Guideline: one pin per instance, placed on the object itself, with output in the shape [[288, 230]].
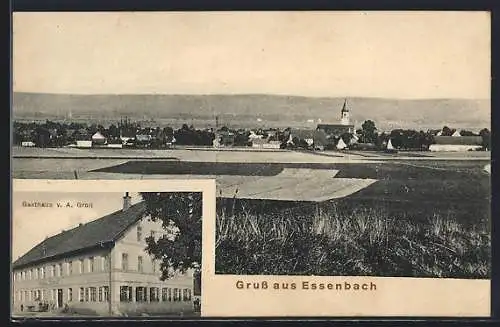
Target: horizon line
[[252, 94]]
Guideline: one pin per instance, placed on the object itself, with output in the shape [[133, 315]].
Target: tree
[[486, 136], [368, 132], [181, 216], [447, 131]]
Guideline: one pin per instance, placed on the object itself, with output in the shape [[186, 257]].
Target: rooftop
[[100, 232]]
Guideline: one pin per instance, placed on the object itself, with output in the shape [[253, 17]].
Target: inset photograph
[[106, 254]]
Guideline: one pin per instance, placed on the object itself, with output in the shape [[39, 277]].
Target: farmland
[[423, 216]]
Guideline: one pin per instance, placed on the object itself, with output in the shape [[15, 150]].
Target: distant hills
[[253, 110]]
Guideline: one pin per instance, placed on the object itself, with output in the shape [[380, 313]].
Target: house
[[83, 144], [101, 268], [311, 137], [143, 140], [258, 142], [225, 138], [28, 144], [82, 135], [272, 145], [456, 144], [98, 139], [341, 144]]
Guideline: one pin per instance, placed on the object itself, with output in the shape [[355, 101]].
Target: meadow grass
[[360, 242]]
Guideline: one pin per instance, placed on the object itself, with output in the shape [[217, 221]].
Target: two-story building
[[101, 268]]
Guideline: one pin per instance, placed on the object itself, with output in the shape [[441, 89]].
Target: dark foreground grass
[[364, 242]]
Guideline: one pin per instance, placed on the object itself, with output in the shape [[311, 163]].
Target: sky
[[348, 54], [31, 226]]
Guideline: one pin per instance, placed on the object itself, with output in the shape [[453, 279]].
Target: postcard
[[349, 151]]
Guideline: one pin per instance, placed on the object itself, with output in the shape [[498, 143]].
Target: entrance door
[[59, 298]]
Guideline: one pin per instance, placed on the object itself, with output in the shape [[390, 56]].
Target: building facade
[[101, 268], [336, 130]]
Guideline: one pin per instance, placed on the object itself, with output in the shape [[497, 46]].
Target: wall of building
[[33, 288], [453, 148], [147, 275], [91, 282]]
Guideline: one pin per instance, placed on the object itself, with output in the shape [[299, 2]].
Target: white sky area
[[368, 54], [32, 225]]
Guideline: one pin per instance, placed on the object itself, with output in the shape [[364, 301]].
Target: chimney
[[126, 201]]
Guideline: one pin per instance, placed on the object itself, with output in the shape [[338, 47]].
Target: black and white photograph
[[352, 143], [106, 254]]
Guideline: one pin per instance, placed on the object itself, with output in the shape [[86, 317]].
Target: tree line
[[57, 134]]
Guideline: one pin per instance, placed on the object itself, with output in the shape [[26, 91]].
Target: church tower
[[344, 114]]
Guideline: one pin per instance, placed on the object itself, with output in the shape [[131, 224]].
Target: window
[[53, 271], [81, 295], [104, 263], [106, 293], [70, 295], [91, 264], [139, 264], [154, 293], [139, 233], [125, 294], [169, 294], [42, 272], [44, 294], [60, 270], [70, 268], [164, 294], [81, 266], [87, 294], [30, 273], [185, 294], [124, 261], [93, 294], [141, 294], [176, 294]]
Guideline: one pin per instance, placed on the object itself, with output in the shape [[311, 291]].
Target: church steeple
[[344, 114]]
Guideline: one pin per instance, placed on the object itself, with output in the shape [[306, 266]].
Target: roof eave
[[102, 245]]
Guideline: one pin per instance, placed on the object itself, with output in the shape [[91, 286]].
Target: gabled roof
[[100, 232], [98, 135]]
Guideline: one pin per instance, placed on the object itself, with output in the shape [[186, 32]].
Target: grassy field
[[360, 242], [420, 219]]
